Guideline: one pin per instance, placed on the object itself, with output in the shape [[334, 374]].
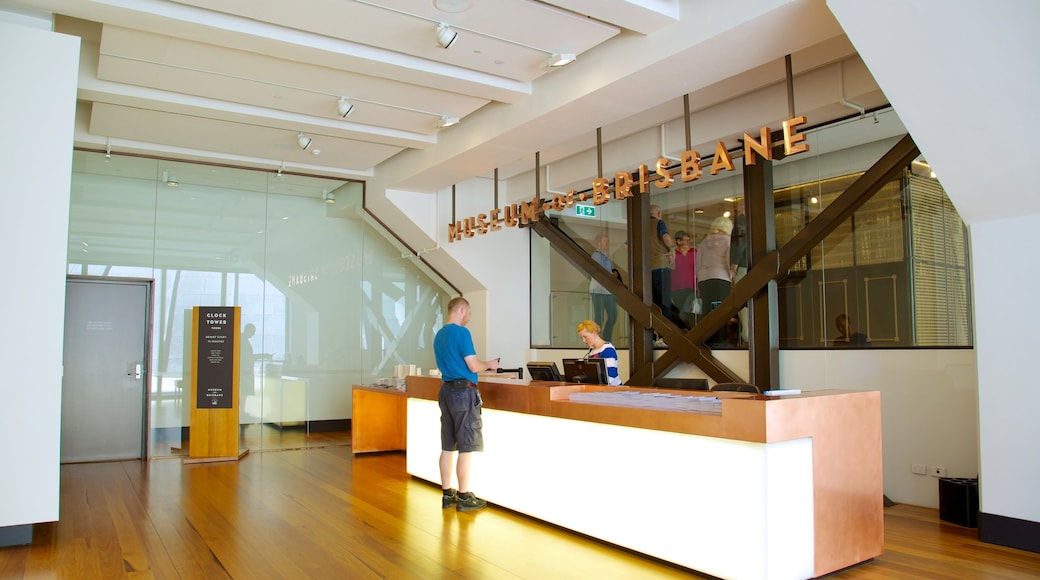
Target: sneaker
[[470, 503], [449, 498]]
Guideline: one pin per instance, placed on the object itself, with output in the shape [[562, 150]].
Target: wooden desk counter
[[840, 468], [379, 421]]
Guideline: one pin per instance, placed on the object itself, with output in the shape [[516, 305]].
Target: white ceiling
[[235, 81]]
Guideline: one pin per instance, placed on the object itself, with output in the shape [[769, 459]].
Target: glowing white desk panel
[[740, 482], [732, 509]]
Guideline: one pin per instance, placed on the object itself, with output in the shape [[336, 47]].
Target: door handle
[[136, 373]]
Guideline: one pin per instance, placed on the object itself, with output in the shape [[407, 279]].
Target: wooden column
[[763, 311]]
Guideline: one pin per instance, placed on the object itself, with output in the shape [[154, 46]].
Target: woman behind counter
[[714, 271], [599, 348]]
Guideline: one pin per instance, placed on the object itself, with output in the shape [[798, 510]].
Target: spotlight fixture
[[329, 197], [108, 149], [344, 107], [169, 179], [304, 141], [447, 122], [445, 35], [559, 59], [279, 175]]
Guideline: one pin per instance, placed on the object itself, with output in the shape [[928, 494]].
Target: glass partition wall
[[328, 297], [895, 274]]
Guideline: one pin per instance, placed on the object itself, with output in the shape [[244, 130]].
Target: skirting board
[[16, 535], [1010, 532]]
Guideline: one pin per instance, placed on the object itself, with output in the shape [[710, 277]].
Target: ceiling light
[[304, 141], [445, 35], [169, 179], [344, 107], [559, 59], [329, 197], [447, 122], [452, 6]]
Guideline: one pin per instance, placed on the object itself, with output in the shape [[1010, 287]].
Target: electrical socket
[[937, 471], [918, 469]]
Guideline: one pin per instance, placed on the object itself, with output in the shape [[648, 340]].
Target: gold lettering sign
[[600, 193]]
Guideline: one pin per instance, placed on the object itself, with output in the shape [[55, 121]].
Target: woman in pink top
[[684, 278]]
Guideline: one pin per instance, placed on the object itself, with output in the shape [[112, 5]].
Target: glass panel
[[334, 300], [939, 264], [572, 295], [867, 282]]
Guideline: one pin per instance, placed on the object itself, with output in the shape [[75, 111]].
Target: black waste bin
[[959, 501]]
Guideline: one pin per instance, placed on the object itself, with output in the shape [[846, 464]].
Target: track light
[[169, 179], [559, 59], [329, 197], [344, 107], [304, 141], [447, 122], [445, 35]]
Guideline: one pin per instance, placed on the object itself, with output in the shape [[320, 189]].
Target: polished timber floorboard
[[320, 512]]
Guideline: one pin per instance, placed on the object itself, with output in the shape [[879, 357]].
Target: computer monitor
[[580, 370], [544, 371]]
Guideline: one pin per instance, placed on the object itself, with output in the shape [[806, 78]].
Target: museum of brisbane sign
[[603, 190]]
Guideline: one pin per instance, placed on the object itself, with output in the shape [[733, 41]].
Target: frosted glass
[[334, 298]]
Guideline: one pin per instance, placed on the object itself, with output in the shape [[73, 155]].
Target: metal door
[[105, 379]]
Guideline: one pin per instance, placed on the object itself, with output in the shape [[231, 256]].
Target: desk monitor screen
[[579, 370], [544, 371]]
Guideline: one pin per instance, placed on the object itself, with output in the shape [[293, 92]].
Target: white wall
[[929, 408], [1006, 285], [498, 277], [952, 124], [39, 69]]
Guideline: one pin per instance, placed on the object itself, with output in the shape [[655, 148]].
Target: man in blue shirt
[[460, 404]]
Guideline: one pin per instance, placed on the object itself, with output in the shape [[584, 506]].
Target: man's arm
[[662, 230], [478, 366], [668, 241]]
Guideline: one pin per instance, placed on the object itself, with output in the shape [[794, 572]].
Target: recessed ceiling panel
[[508, 38], [240, 139], [182, 66]]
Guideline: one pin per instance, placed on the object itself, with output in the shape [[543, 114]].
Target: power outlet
[[937, 471], [918, 469]]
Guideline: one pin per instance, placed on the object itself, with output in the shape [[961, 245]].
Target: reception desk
[[767, 487]]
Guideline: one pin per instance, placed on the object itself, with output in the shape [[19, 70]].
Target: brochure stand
[[214, 385]]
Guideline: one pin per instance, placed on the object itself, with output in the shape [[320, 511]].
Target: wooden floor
[[320, 512]]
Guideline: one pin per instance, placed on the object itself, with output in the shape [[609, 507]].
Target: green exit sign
[[585, 210]]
